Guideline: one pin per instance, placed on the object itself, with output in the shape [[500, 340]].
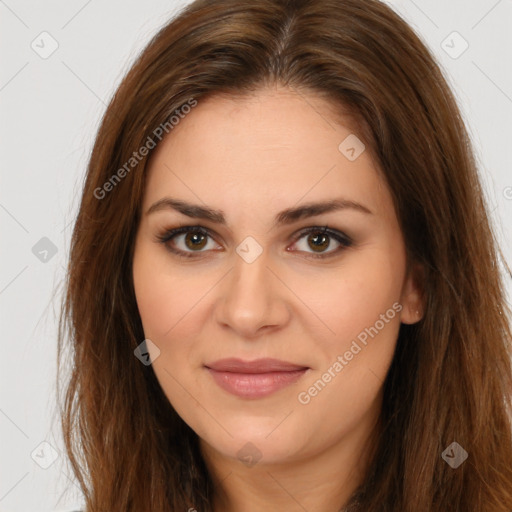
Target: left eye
[[195, 239], [321, 238]]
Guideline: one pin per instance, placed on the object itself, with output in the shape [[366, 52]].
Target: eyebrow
[[287, 216]]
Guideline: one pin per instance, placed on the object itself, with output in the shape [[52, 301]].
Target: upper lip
[[265, 365]]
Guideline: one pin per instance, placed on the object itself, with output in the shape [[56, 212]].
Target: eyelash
[[340, 237]]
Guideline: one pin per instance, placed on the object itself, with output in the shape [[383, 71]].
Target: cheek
[[352, 297], [172, 316], [165, 299], [365, 317]]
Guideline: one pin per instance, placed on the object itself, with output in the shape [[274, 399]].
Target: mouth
[[254, 379]]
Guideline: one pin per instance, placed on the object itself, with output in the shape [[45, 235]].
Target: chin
[[261, 443]]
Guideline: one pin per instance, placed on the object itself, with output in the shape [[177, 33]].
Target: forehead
[[274, 146]]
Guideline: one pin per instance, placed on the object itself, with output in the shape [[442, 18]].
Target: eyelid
[[343, 239], [335, 233]]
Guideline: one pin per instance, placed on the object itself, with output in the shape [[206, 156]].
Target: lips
[[257, 366], [254, 379]]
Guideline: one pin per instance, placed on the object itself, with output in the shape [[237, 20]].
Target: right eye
[[192, 238]]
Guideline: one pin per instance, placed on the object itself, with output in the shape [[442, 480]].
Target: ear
[[412, 298]]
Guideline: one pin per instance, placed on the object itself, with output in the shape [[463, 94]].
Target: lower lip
[[255, 385]]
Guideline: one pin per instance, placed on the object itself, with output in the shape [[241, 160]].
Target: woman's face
[[256, 284]]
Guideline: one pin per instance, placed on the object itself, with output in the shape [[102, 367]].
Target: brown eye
[[189, 241], [186, 240], [195, 240], [318, 240]]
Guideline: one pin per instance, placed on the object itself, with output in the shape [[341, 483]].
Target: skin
[[251, 158]]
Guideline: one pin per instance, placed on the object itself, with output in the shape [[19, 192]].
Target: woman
[[283, 289]]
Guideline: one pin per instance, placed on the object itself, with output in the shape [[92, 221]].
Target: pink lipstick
[[254, 379]]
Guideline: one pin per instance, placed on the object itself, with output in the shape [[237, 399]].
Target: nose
[[252, 298]]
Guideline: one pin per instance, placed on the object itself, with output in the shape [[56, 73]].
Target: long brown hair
[[451, 377]]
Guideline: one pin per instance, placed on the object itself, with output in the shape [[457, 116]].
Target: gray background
[[50, 111]]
